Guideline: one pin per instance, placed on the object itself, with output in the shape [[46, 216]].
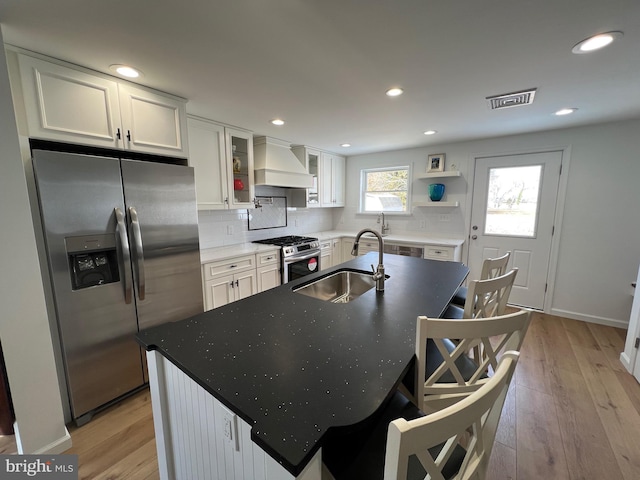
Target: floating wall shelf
[[436, 204], [450, 173]]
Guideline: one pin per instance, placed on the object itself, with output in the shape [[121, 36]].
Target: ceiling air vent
[[515, 99]]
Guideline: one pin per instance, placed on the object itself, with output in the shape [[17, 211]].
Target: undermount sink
[[342, 286]]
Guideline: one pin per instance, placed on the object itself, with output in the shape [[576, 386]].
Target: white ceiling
[[324, 65]]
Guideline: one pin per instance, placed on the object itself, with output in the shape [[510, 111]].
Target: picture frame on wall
[[435, 163]]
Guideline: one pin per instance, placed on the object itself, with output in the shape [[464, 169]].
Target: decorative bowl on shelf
[[238, 184], [436, 191]]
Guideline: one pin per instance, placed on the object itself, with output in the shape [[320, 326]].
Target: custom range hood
[[276, 165]]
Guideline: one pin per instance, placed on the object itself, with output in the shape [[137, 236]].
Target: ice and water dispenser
[[92, 260]]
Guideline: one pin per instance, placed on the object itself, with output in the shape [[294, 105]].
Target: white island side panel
[[190, 434]]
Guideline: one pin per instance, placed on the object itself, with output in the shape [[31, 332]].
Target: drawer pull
[[233, 266], [269, 258]]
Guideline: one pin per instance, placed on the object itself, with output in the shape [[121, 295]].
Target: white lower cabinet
[[331, 253], [326, 255], [229, 288], [336, 251], [441, 252], [228, 280], [347, 246], [445, 253], [234, 278], [268, 270]]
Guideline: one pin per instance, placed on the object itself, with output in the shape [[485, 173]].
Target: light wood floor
[[573, 412]]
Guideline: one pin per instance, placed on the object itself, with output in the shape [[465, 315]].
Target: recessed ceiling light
[[430, 132], [596, 42], [126, 71], [277, 121], [345, 145], [565, 111], [394, 92]]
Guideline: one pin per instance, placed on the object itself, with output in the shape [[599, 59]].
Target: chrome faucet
[[385, 226], [378, 273]]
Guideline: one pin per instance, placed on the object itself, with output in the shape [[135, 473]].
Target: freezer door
[[163, 234], [80, 197]]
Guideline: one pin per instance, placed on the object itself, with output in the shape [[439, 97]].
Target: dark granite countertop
[[293, 366]]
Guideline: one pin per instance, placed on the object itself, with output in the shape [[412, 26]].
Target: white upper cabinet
[[239, 158], [151, 122], [311, 159], [223, 161], [69, 105], [332, 180], [207, 157]]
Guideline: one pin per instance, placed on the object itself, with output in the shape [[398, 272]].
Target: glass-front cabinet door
[[310, 158], [239, 155]]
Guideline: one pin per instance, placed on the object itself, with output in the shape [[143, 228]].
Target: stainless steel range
[[299, 256]]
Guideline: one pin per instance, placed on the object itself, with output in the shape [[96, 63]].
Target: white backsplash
[[219, 228], [447, 222]]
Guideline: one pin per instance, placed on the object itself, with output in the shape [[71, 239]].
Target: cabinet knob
[[129, 135]]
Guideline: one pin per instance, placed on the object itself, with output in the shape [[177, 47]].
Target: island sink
[[342, 286]]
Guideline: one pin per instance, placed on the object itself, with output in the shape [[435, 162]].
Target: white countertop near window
[[393, 237]]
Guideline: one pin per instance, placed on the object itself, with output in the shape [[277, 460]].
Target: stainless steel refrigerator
[[122, 246]]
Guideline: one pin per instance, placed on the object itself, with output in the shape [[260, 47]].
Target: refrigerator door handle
[[138, 264], [121, 231]]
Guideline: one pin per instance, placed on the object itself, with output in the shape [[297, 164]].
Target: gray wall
[[599, 248], [24, 327]]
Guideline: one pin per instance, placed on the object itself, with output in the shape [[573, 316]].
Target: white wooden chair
[[453, 444], [491, 268], [445, 371], [485, 298], [478, 413]]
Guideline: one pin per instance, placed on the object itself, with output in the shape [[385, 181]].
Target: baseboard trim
[[610, 322], [626, 362], [60, 445]]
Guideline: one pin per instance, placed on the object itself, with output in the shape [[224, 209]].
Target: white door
[[513, 209]]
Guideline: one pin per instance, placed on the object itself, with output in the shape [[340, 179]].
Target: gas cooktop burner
[[287, 240]]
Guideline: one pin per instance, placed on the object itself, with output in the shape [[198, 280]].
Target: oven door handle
[[293, 259]]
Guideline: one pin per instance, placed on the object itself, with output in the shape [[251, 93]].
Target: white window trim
[[363, 173]]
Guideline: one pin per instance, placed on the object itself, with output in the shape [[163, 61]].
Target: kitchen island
[[254, 388]]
